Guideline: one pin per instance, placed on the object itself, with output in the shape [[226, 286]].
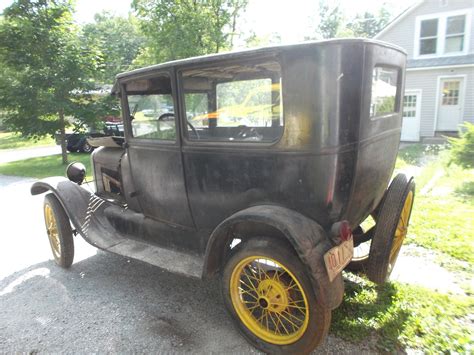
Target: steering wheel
[[168, 116], [193, 129], [248, 134]]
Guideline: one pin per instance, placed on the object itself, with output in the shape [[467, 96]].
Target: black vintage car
[[257, 167]]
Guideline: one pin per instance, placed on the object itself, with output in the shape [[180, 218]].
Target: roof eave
[[397, 19]]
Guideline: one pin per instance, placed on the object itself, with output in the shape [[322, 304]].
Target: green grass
[[400, 317], [442, 217], [42, 167], [10, 140]]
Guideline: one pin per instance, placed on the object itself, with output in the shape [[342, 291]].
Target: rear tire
[[59, 231], [271, 299], [391, 228]]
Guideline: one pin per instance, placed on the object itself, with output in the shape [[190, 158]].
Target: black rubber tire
[[86, 147], [319, 317], [66, 241], [379, 266]]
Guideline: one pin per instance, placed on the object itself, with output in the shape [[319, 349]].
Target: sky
[[289, 18]]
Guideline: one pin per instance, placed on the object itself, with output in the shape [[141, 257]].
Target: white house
[[439, 91]]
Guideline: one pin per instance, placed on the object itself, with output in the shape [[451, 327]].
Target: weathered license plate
[[338, 257]]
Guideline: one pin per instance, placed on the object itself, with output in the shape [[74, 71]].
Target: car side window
[[151, 108], [238, 103]]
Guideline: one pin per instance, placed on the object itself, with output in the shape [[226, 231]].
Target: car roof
[[242, 54]]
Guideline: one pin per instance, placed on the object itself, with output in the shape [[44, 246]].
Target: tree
[[330, 20], [368, 24], [118, 40], [46, 69], [186, 28]]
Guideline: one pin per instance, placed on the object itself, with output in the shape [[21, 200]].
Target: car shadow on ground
[[372, 313]]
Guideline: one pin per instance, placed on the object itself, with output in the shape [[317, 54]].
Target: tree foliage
[[45, 67], [330, 20], [184, 28], [369, 24], [118, 41]]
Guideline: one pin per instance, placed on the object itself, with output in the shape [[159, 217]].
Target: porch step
[[434, 140]]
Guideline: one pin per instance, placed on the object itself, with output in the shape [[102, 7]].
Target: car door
[[154, 151]]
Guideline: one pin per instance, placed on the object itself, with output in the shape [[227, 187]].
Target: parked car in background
[[77, 142]]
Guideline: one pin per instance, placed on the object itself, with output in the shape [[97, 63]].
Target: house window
[[428, 36], [455, 26], [409, 106], [450, 93], [442, 34]]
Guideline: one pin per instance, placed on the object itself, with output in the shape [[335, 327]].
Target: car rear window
[[384, 91]]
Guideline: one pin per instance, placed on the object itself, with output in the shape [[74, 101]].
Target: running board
[[170, 260]]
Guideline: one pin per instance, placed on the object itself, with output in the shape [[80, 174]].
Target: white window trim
[[438, 94], [441, 35]]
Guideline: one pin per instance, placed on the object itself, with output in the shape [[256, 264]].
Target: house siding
[[427, 80], [403, 32]]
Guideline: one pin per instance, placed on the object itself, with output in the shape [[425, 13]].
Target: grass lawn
[[443, 213], [398, 317], [42, 167], [10, 140]]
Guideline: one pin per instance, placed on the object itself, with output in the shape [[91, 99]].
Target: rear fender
[[72, 197], [305, 235]]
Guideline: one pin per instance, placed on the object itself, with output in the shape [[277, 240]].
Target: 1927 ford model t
[[254, 166]]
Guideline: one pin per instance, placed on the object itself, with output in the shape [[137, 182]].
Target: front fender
[[72, 197], [306, 236]]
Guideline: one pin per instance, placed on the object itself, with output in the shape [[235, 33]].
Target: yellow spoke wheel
[[269, 300], [391, 228], [402, 228], [58, 229], [52, 230], [270, 296]]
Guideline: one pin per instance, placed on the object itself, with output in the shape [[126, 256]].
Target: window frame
[[442, 18], [225, 144], [130, 139]]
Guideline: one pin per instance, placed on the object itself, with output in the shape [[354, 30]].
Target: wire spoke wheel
[[59, 231], [269, 300], [391, 228], [402, 229], [52, 230]]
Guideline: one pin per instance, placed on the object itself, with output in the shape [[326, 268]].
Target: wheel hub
[[272, 295]]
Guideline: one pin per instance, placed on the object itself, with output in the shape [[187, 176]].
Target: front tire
[[271, 299], [59, 231]]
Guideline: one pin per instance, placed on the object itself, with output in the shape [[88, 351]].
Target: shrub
[[462, 151]]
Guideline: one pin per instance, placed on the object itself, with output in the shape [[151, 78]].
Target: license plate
[[338, 257]]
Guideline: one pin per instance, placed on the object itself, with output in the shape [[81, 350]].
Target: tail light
[[341, 231]]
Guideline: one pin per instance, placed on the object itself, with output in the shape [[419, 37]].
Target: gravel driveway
[[104, 303]]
